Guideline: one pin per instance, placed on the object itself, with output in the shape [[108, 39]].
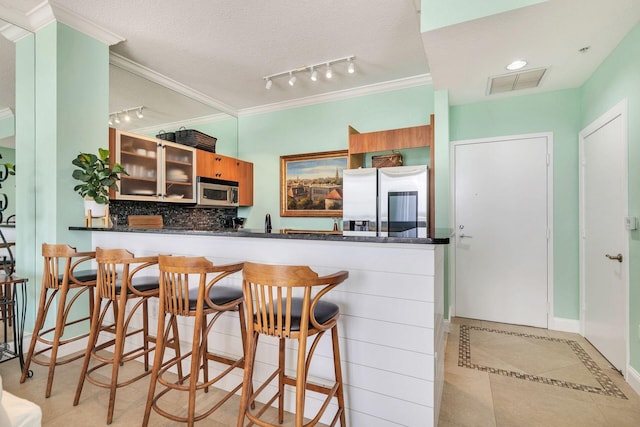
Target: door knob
[[618, 257]]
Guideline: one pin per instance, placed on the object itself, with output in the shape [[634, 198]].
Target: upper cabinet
[[397, 139], [158, 170], [217, 166]]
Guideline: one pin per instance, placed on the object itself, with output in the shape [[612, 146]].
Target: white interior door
[[502, 198], [603, 206]]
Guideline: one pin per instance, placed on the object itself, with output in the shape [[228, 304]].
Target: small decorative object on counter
[[267, 223], [386, 160], [197, 139]]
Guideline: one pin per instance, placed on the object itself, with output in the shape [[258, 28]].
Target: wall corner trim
[[565, 325], [633, 378]]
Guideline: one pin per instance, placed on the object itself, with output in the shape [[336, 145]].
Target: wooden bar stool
[[59, 277], [294, 317], [120, 279], [177, 298]]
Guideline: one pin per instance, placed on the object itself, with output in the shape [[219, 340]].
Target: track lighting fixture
[[351, 68], [114, 117], [313, 70]]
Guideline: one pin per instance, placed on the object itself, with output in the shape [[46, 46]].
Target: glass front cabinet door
[[158, 170]]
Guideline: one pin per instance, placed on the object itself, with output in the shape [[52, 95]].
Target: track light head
[[139, 113], [268, 85], [110, 121], [127, 117], [314, 74], [329, 73], [292, 79], [352, 67], [117, 120]]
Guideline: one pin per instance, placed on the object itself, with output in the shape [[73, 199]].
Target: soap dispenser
[[267, 223]]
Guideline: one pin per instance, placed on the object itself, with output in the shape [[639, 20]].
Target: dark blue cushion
[[220, 295], [83, 276], [141, 284], [324, 311]]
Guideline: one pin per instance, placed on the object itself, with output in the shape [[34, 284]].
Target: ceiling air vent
[[516, 81]]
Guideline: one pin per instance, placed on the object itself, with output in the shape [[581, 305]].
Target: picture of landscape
[[311, 184]]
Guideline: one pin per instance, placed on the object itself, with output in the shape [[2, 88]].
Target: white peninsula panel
[[391, 323]]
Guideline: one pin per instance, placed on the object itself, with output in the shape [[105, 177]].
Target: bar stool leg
[[338, 372], [281, 365], [247, 383], [301, 379], [118, 350], [60, 319], [93, 337], [36, 329], [157, 363]]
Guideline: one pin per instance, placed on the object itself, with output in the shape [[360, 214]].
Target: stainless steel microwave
[[217, 192]]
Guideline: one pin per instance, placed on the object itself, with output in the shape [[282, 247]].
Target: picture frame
[[311, 184]]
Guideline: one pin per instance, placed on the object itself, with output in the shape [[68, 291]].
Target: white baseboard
[[633, 378], [565, 325]]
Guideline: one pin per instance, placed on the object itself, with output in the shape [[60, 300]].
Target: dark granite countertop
[[441, 236]]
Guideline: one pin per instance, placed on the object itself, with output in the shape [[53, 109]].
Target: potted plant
[[97, 178]]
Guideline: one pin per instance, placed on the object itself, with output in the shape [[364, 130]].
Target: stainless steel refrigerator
[[402, 198]]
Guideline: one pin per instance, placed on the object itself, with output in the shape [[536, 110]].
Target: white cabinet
[[158, 170]]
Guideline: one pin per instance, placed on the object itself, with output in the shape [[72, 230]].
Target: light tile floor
[[506, 375], [58, 409]]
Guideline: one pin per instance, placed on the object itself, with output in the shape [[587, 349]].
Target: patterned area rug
[[606, 385]]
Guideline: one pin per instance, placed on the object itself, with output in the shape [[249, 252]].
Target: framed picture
[[311, 184]]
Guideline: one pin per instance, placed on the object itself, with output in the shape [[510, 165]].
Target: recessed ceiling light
[[516, 65]]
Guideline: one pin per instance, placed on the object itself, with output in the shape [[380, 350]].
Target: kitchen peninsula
[[391, 323]]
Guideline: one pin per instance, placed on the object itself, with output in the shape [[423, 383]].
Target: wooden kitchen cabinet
[[245, 183], [158, 170], [217, 166], [397, 139]]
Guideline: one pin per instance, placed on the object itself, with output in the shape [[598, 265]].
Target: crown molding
[[41, 16], [15, 17], [82, 24], [6, 113], [419, 80], [13, 33], [147, 73], [186, 123]]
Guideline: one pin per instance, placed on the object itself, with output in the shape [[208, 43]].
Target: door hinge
[[548, 159], [548, 233]]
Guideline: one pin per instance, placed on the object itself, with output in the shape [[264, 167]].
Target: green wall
[[558, 112], [322, 127], [441, 13], [616, 79]]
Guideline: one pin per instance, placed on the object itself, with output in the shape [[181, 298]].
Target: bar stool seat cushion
[[142, 284], [323, 312], [84, 275], [220, 295]]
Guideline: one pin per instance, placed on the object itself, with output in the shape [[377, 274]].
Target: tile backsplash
[[173, 214]]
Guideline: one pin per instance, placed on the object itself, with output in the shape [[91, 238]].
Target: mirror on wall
[[7, 123], [166, 110]]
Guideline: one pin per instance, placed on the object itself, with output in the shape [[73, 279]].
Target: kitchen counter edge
[[442, 236]]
